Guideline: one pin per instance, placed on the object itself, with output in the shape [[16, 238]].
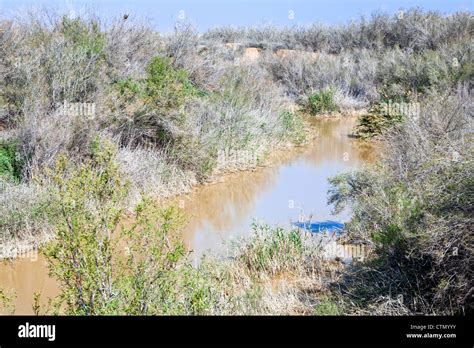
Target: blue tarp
[[322, 226]]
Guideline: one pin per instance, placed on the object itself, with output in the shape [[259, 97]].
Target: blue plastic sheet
[[322, 226]]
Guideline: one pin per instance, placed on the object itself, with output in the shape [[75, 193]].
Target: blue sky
[[211, 13]]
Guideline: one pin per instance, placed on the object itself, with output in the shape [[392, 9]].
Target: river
[[293, 187]]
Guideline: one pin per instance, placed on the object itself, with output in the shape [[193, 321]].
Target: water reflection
[[296, 186]]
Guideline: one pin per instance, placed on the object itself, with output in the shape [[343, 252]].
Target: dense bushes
[[368, 61], [350, 75], [24, 221], [140, 95], [416, 213], [155, 104], [405, 78], [404, 74], [363, 78], [189, 121], [413, 29], [86, 37], [165, 93]]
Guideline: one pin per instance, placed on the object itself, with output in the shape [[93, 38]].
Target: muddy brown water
[[223, 212]]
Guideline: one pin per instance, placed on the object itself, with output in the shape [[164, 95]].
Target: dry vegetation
[[416, 212], [174, 111]]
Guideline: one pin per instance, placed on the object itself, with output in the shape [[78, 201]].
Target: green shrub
[[129, 86], [10, 163], [140, 271], [163, 87], [402, 75], [389, 237], [86, 37], [321, 102], [156, 103], [89, 198], [465, 72], [166, 86]]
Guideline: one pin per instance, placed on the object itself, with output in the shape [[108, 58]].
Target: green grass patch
[[327, 307], [293, 127], [272, 250]]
